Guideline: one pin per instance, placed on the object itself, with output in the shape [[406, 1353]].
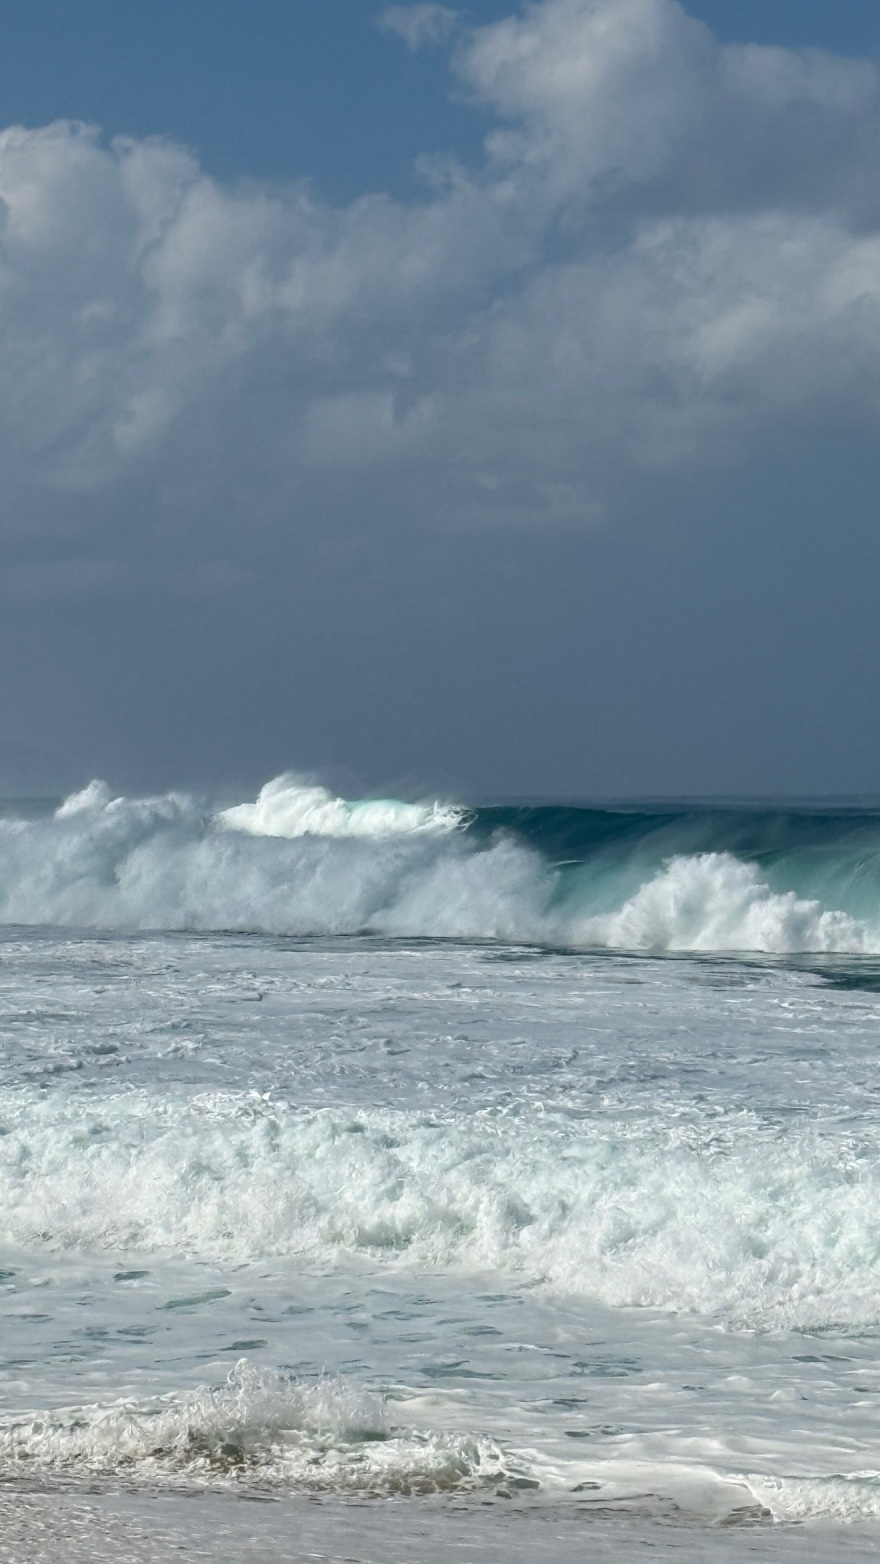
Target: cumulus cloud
[[418, 25], [669, 252]]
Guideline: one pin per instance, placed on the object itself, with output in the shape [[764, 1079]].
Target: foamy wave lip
[[288, 807], [259, 1429]]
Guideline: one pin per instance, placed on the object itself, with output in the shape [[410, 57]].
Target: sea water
[[459, 1165]]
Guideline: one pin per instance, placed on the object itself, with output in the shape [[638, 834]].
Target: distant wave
[[297, 860]]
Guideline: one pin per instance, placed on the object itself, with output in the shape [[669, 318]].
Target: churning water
[[518, 1156]]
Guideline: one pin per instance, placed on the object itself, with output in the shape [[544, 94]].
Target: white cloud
[[669, 254], [635, 98], [418, 25]]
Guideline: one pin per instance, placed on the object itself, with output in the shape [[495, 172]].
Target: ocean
[[395, 1181]]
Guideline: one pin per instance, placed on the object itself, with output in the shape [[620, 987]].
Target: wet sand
[[63, 1529]]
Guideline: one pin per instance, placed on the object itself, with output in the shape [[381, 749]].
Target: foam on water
[[729, 1219], [299, 861], [793, 1500], [712, 901], [169, 863], [259, 1429], [288, 808]]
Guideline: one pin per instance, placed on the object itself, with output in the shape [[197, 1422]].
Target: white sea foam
[[712, 901], [168, 863], [793, 1500], [730, 1220], [299, 861], [259, 1428], [290, 808]]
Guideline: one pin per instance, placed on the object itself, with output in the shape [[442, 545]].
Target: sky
[[474, 400]]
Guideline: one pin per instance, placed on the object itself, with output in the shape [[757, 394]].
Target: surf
[[298, 860]]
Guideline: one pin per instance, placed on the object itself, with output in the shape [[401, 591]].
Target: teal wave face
[[697, 855], [564, 832]]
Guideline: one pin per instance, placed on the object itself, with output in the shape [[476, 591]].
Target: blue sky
[[286, 88], [281, 88], [498, 414]]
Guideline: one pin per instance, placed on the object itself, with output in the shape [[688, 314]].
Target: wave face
[[299, 861]]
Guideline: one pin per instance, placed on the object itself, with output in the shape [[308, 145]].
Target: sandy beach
[[37, 1528]]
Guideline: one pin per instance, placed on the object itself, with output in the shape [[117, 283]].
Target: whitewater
[[448, 1163], [299, 861]]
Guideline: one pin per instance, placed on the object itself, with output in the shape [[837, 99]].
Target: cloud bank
[[668, 256]]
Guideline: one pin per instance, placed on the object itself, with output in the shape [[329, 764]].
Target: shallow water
[[353, 1216]]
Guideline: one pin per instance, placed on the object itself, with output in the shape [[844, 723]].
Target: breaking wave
[[728, 1219], [297, 860], [259, 1429], [287, 808], [262, 1433]]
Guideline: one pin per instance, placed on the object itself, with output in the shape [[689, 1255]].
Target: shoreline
[[130, 1528]]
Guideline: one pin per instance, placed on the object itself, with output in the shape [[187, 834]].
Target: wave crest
[[287, 807], [299, 861]]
